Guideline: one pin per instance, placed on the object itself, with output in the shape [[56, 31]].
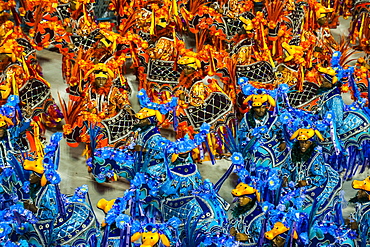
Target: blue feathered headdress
[[145, 102]]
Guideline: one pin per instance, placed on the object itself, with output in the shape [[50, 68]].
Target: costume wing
[[119, 126]]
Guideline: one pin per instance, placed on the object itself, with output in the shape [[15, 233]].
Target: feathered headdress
[[257, 97], [151, 109], [145, 102]]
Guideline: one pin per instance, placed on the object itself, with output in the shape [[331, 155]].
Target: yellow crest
[[5, 121], [259, 99], [103, 67], [361, 185], [243, 189], [150, 239], [321, 11], [146, 112], [327, 70], [190, 60], [101, 74], [279, 228], [105, 205], [34, 165], [306, 134]]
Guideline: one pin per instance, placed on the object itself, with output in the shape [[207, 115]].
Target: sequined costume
[[346, 143], [248, 220], [107, 100], [150, 157], [9, 144], [267, 154], [323, 184], [75, 224], [185, 177], [363, 217]]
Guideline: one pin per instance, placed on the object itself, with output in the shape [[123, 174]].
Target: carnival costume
[[61, 220], [271, 136], [345, 147], [323, 183], [202, 64]]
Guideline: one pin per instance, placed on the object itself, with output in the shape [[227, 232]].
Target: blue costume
[[72, 223], [347, 144], [177, 177], [150, 158], [203, 213], [323, 184], [349, 133], [185, 177], [11, 146], [363, 217], [61, 220], [248, 220], [362, 212], [267, 153]]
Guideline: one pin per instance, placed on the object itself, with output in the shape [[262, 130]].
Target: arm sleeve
[[317, 172], [153, 142], [279, 132], [337, 107], [47, 205], [243, 130], [21, 127]]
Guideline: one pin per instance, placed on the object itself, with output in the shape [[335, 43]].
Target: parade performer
[[247, 216], [61, 220], [159, 157], [104, 99], [273, 151], [321, 181], [185, 175], [104, 107], [345, 145]]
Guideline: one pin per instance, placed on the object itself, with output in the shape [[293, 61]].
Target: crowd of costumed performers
[[258, 83]]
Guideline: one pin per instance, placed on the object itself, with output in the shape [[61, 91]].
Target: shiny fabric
[[267, 153]]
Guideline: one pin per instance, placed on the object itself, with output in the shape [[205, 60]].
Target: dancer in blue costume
[[169, 162], [185, 175], [8, 136], [142, 154], [61, 220], [12, 135], [246, 224], [112, 233], [149, 152], [322, 183], [272, 151], [15, 220], [12, 188], [345, 145], [14, 185]]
